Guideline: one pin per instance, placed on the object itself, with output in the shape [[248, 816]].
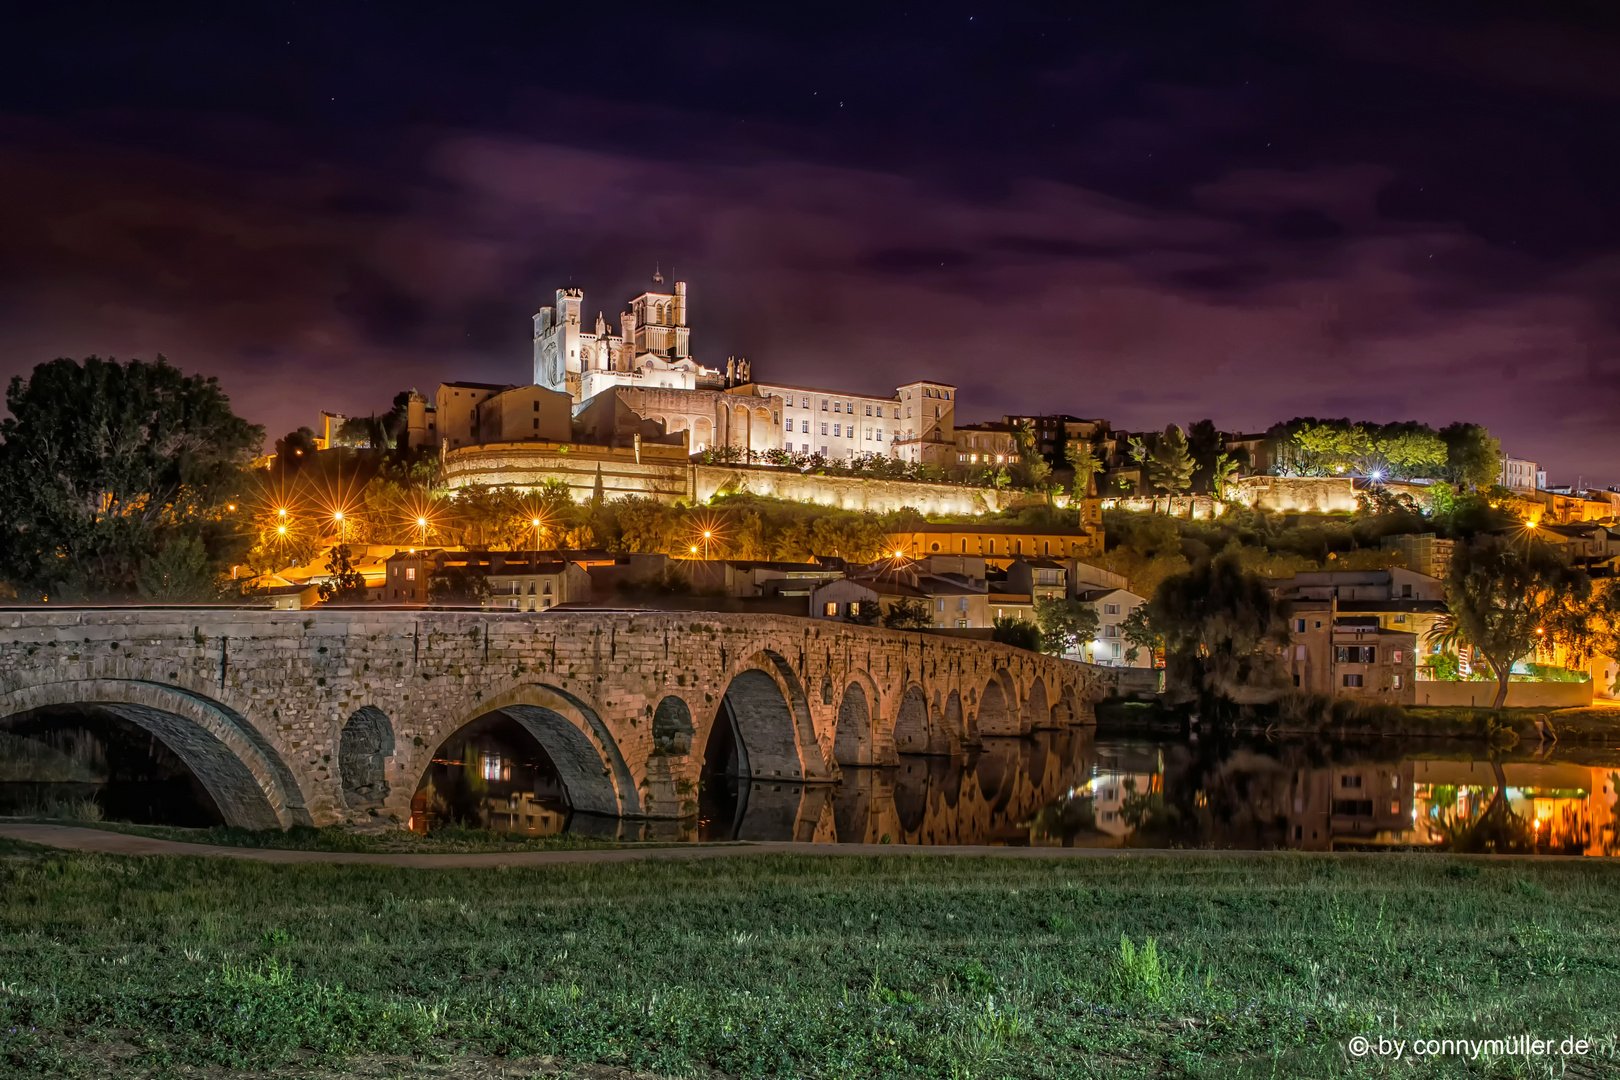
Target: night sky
[[1146, 212]]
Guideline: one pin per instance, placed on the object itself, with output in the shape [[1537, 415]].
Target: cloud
[[1266, 294]]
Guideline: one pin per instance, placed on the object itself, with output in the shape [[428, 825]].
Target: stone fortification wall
[[851, 493], [1296, 494], [666, 474], [660, 472]]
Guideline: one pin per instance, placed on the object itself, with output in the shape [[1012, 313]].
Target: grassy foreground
[[837, 967], [453, 840]]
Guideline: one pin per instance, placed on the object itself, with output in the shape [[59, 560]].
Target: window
[[849, 407], [824, 427], [1110, 609], [1395, 656], [879, 434], [1355, 654], [1397, 682], [897, 412], [836, 408], [823, 404], [941, 605], [1111, 630], [836, 430], [1114, 650], [1352, 680], [868, 408], [961, 603], [1350, 781], [830, 608], [536, 406], [804, 448], [804, 403], [537, 423], [1299, 626], [804, 426], [1299, 652], [824, 447], [1400, 618], [410, 573]]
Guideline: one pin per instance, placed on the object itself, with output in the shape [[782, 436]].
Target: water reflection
[[89, 763], [492, 774]]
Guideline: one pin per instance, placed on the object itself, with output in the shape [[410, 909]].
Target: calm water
[[1074, 790], [1068, 789]]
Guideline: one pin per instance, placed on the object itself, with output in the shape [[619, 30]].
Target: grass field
[[453, 839], [849, 967]]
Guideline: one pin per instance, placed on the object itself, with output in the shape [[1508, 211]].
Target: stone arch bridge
[[330, 715]]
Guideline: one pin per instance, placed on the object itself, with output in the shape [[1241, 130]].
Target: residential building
[[1110, 648], [1519, 474], [1053, 432], [1589, 545], [985, 444], [1042, 579], [1350, 656], [1398, 600], [841, 599], [456, 409], [1423, 553], [516, 580], [1001, 544], [832, 423]]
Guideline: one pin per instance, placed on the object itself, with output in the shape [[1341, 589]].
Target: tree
[[1473, 457], [104, 464], [1065, 624], [1085, 465], [1031, 471], [1019, 633], [1223, 632], [1170, 465], [1223, 470], [865, 613], [1139, 630], [908, 613], [458, 585], [1508, 594], [179, 572], [346, 583]]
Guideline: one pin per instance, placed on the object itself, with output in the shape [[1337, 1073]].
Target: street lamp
[[536, 523], [337, 516]]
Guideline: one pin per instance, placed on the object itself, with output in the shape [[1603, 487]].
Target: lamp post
[[337, 516], [536, 523]]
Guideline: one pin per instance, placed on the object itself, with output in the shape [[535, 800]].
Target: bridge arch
[[248, 780], [1037, 712], [672, 725], [593, 772], [765, 714], [852, 737]]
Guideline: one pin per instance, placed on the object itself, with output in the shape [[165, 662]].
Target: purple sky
[[1386, 212]]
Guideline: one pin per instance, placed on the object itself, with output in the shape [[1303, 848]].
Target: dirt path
[[76, 838]]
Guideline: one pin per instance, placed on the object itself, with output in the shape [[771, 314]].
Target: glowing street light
[[337, 516]]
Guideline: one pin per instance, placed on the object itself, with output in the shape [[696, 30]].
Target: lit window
[[1397, 682], [830, 608], [1110, 609], [410, 573]]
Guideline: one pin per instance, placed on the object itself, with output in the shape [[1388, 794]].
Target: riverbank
[[878, 966], [1588, 726]]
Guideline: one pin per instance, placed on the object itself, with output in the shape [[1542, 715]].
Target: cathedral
[[647, 364]]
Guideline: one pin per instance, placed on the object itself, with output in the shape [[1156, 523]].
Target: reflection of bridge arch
[[249, 782], [593, 771]]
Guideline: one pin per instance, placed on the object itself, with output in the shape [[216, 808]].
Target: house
[[1350, 656], [841, 599], [1110, 648], [515, 580], [1039, 578]]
